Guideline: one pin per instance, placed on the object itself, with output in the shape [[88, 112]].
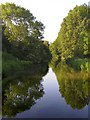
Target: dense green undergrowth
[[80, 64], [10, 64]]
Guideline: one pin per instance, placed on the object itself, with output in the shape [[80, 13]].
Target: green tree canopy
[[20, 23], [73, 38], [22, 34]]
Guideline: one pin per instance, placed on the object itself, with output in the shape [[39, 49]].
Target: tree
[[46, 43], [22, 34], [73, 37], [20, 23]]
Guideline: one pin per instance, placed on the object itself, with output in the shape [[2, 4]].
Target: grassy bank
[[10, 64]]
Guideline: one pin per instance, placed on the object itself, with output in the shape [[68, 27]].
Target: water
[[52, 104], [44, 99]]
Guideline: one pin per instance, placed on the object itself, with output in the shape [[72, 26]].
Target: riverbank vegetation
[[73, 42], [25, 58], [23, 45], [71, 57], [21, 39]]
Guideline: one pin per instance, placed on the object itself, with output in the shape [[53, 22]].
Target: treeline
[[22, 34], [73, 41], [22, 38]]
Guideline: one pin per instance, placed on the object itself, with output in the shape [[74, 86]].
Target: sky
[[49, 12]]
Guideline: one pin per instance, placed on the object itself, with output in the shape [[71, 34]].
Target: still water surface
[[52, 104]]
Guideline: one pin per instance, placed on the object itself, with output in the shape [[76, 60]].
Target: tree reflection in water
[[23, 90], [74, 85]]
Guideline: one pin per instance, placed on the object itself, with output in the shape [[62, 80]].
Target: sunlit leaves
[[73, 38], [20, 23]]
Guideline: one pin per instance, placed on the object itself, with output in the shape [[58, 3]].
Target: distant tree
[[45, 42], [55, 52]]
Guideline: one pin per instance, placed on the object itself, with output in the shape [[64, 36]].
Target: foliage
[[10, 64], [80, 64], [22, 34], [55, 52], [20, 23], [73, 38]]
